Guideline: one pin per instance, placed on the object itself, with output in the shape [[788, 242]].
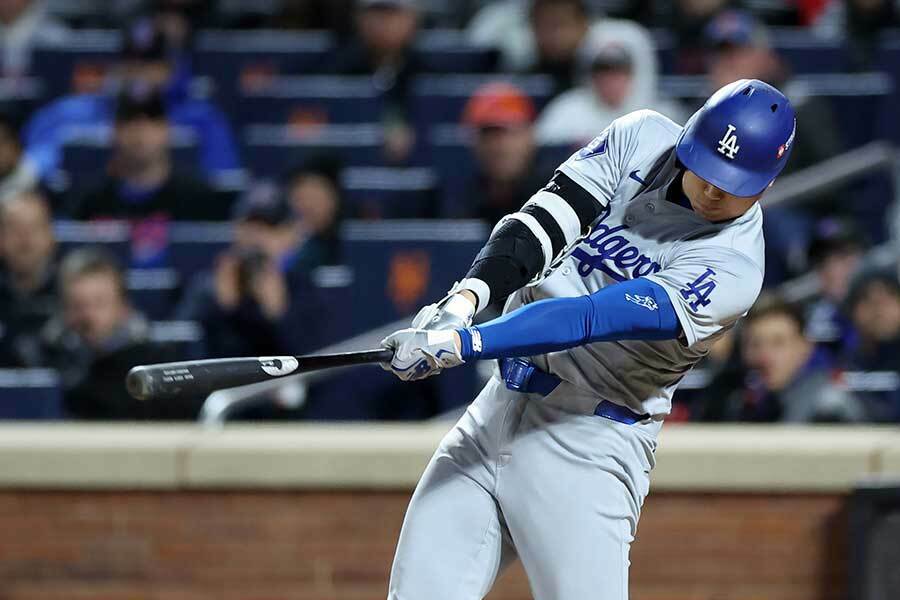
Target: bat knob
[[139, 383]]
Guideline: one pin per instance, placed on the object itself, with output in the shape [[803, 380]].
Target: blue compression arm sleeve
[[638, 309]]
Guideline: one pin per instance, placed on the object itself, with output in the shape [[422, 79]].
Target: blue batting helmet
[[741, 139]]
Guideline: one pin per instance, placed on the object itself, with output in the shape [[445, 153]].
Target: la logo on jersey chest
[[728, 145]]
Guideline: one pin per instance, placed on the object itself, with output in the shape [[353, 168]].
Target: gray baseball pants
[[538, 478]]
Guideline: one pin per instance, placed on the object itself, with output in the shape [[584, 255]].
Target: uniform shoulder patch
[[597, 147]]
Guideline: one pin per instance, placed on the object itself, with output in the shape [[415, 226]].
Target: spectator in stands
[[865, 20], [835, 254], [145, 61], [179, 19], [16, 174], [788, 381], [98, 337], [28, 294], [556, 38], [720, 373], [739, 48], [874, 305], [314, 195], [142, 181], [25, 24], [383, 48], [539, 36], [257, 301], [860, 22], [501, 118], [331, 15], [687, 19], [617, 83], [559, 27]]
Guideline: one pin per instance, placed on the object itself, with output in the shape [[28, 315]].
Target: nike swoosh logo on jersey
[[634, 175]]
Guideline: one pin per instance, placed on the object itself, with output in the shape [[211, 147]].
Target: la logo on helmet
[[728, 144]]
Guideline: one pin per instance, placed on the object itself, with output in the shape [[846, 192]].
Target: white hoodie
[[577, 116], [34, 27]]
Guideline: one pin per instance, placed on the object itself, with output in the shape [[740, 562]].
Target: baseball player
[[645, 246]]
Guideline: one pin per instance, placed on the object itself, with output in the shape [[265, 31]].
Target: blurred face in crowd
[[731, 63], [559, 28], [775, 347], [835, 272], [95, 305], [387, 30], [154, 73], [315, 201], [611, 86], [867, 5], [876, 313], [141, 143], [10, 150], [712, 203], [700, 8], [10, 10], [175, 18], [26, 235], [505, 153]]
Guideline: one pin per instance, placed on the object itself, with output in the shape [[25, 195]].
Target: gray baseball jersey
[[542, 478], [712, 272]]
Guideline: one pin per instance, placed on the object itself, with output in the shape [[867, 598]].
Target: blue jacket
[[47, 131]]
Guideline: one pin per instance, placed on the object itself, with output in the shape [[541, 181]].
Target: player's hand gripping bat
[[200, 377]]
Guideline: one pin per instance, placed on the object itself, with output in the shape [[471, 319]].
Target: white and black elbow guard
[[526, 246]]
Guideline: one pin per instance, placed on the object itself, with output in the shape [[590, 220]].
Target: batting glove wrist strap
[[452, 312], [470, 341]]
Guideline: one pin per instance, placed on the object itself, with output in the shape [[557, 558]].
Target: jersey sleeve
[[600, 166], [710, 289]]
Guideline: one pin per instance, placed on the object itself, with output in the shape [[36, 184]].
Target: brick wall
[[330, 546]]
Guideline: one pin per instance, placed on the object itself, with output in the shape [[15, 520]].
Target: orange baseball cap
[[498, 104]]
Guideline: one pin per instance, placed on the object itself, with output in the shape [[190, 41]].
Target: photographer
[[255, 301]]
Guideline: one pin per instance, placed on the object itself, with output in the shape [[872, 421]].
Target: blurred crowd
[[828, 354]]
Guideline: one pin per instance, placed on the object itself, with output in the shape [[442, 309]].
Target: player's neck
[[675, 193]]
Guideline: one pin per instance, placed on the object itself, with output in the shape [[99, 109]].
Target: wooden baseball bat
[[200, 377]]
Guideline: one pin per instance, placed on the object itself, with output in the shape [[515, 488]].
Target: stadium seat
[[448, 51], [450, 152], [888, 58], [19, 96], [391, 193], [801, 49], [858, 99], [154, 291], [441, 98], [80, 65], [86, 154], [30, 394], [114, 236], [235, 60], [193, 247], [311, 99], [272, 150], [400, 265]]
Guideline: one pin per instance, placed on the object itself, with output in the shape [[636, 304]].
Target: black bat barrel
[[200, 377]]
